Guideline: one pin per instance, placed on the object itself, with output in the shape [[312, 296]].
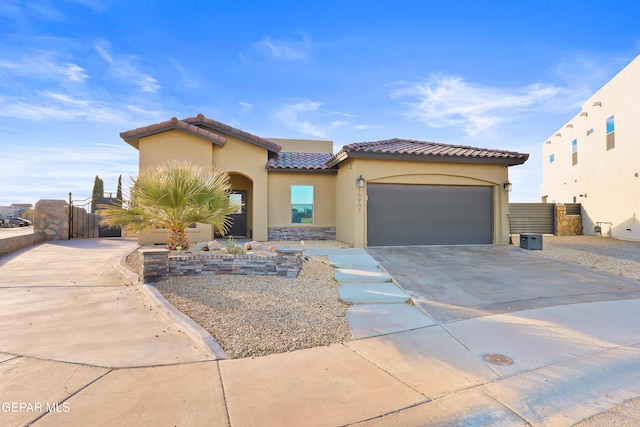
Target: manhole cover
[[498, 359]]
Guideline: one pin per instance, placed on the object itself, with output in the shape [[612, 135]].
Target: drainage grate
[[498, 359]]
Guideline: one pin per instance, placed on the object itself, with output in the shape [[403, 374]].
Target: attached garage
[[399, 192], [406, 214]]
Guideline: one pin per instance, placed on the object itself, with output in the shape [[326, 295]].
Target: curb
[[194, 331]]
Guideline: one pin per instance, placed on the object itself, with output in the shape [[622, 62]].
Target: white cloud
[[123, 68], [20, 11], [71, 166], [310, 118], [187, 79], [47, 105], [245, 107], [97, 5], [45, 65], [65, 99], [284, 50], [445, 101]]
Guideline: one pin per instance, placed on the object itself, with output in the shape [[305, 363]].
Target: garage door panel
[[400, 214]]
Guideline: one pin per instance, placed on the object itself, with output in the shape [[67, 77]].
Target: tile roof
[[289, 161], [133, 136], [199, 126], [409, 149], [201, 120]]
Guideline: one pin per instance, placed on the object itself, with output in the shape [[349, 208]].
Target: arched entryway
[[242, 220]]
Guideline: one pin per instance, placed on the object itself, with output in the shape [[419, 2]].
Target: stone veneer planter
[[566, 225], [158, 264], [301, 233]]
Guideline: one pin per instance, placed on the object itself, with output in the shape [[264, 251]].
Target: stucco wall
[[248, 160], [304, 145], [160, 148], [244, 162], [605, 182], [174, 145], [352, 208], [324, 194], [349, 204]]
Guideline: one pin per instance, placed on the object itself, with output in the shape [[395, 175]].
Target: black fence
[[84, 221]]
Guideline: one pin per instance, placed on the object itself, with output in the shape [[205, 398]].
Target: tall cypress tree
[[98, 192], [119, 191]]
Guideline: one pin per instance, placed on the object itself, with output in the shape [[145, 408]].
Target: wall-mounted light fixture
[[360, 182], [597, 104], [507, 186], [583, 195]]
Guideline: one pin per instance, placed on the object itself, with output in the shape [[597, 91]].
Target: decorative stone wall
[[12, 244], [159, 264], [566, 225], [289, 262], [155, 264], [51, 220], [302, 233]]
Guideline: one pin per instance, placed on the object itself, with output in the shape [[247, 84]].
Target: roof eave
[[508, 161], [337, 159], [272, 146], [134, 139], [331, 171]]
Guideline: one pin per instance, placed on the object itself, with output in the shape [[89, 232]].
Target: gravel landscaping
[[610, 255], [259, 315]]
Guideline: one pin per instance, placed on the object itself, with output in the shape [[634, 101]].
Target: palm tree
[[173, 196]]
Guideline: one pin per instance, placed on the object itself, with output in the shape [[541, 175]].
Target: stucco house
[[594, 159], [391, 192]]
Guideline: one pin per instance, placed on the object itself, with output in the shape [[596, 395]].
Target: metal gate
[[536, 217], [84, 223], [531, 218]]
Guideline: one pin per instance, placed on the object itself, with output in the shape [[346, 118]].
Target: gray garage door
[[401, 214]]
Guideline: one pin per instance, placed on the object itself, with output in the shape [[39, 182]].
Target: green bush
[[233, 247]]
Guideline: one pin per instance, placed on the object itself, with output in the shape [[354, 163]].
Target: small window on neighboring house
[[574, 152], [611, 139], [302, 204], [551, 158]]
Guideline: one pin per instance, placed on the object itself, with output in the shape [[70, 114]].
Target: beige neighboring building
[[391, 192], [594, 159]]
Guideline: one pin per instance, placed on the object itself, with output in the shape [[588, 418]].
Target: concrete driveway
[[452, 283], [76, 336]]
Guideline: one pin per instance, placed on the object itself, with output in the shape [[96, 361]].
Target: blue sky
[[494, 74]]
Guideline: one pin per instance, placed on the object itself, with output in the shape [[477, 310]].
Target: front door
[[239, 218]]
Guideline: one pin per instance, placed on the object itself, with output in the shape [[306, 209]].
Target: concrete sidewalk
[[76, 337]]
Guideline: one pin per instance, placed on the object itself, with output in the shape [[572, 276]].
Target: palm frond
[[173, 196]]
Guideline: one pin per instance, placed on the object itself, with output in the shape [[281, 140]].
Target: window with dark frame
[[302, 204], [611, 134]]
